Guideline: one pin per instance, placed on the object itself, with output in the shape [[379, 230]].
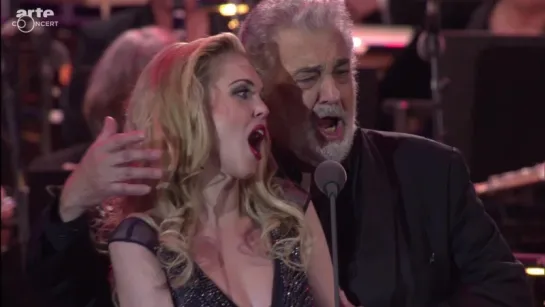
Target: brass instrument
[[514, 179]]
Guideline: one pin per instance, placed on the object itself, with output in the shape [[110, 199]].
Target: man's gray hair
[[261, 25]]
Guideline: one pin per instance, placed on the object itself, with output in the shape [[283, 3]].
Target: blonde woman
[[217, 230]]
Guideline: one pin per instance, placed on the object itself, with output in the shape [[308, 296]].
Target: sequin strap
[[136, 230]]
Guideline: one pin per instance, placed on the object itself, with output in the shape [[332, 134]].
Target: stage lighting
[[231, 9], [535, 271]]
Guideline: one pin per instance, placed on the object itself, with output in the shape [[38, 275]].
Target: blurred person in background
[[96, 36], [109, 88], [53, 262], [510, 17]]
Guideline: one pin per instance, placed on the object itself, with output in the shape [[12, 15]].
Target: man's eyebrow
[[309, 70], [342, 62]]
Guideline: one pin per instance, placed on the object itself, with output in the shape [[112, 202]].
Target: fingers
[[127, 189], [121, 140], [131, 173], [131, 155], [109, 128]]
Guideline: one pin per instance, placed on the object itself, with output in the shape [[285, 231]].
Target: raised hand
[[104, 172]]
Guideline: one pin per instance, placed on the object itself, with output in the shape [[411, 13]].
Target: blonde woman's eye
[[243, 94]]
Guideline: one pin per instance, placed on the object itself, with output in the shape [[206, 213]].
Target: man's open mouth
[[256, 137], [331, 127]]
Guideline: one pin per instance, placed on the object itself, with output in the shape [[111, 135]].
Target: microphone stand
[[330, 177], [333, 190], [430, 47]]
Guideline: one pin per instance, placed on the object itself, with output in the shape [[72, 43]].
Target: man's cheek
[[348, 97]]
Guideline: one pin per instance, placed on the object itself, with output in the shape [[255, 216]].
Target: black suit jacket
[[421, 236], [55, 160], [417, 235], [94, 38]]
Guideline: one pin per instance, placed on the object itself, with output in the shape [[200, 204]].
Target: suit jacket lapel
[[375, 261]]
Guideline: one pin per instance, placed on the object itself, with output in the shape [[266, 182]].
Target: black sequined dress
[[290, 287]]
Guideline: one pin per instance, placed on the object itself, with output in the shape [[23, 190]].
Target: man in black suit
[[412, 231]]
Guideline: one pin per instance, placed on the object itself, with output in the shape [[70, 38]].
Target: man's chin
[[314, 149], [337, 150]]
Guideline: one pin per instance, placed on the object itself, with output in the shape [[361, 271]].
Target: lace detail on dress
[[296, 289]]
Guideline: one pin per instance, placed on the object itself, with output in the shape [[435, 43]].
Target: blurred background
[[470, 73]]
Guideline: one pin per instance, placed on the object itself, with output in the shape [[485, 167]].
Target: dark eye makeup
[[243, 91]]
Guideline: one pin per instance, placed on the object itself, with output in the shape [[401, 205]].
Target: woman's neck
[[510, 19], [221, 197]]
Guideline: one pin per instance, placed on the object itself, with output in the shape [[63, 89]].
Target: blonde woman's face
[[239, 115]]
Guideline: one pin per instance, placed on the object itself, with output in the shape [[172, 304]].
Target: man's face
[[311, 93]]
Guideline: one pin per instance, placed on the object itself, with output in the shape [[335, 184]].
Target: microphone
[[330, 178]]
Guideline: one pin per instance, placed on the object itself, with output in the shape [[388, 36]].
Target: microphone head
[[327, 173]]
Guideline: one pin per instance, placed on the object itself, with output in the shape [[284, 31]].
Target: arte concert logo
[[27, 20]]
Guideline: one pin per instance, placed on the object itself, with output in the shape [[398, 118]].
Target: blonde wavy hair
[[170, 103]]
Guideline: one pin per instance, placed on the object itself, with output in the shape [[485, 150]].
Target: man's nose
[[329, 93]]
